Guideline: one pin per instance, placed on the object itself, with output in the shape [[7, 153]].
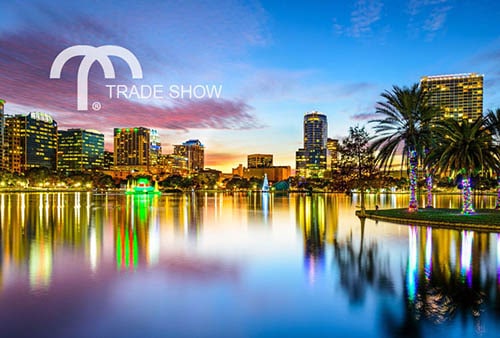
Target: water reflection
[[445, 287], [311, 218], [300, 255], [37, 226]]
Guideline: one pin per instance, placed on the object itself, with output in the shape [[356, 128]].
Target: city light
[[466, 256], [412, 269], [413, 181], [468, 208], [429, 184]]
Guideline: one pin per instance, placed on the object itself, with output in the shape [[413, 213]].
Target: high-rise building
[[109, 160], [260, 160], [155, 148], [195, 153], [332, 146], [30, 142], [132, 148], [2, 133], [315, 130], [175, 164], [458, 96], [312, 159], [80, 150]]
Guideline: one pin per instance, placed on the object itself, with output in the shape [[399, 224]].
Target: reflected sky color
[[242, 265]]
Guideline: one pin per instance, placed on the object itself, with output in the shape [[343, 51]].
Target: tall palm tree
[[404, 124], [464, 147], [493, 121]]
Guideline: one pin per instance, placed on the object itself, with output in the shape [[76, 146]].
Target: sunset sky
[[274, 60]]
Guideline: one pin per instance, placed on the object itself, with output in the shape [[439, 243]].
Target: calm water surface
[[216, 265]]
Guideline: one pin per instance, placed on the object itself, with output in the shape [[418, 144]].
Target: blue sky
[[275, 60]]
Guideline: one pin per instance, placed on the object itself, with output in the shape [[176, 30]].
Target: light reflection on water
[[246, 265]]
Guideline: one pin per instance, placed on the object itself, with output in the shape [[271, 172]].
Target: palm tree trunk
[[498, 193], [429, 184], [412, 158], [467, 207]]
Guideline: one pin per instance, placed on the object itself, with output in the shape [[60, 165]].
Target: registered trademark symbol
[[96, 106]]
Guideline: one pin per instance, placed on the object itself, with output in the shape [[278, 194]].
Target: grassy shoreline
[[483, 219]]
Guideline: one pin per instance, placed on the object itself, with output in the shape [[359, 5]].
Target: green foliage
[[237, 183], [404, 124], [39, 175], [357, 163], [464, 147]]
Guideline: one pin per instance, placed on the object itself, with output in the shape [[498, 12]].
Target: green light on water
[[118, 250], [127, 250], [136, 250]]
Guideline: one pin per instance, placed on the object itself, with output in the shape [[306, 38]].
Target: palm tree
[[493, 121], [464, 147], [404, 125]]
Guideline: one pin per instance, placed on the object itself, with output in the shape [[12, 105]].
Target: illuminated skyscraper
[[30, 142], [80, 150], [332, 146], [194, 151], [132, 147], [311, 160], [175, 164], [458, 96], [2, 131], [155, 148], [108, 160], [260, 161]]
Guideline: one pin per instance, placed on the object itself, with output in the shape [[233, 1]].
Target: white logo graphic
[[91, 54]]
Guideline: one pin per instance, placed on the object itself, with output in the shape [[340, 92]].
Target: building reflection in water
[[436, 276], [137, 232], [35, 226], [317, 229]]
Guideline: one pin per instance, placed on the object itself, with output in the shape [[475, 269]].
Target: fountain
[[265, 184]]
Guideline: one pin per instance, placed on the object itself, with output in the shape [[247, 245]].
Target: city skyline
[[274, 62]]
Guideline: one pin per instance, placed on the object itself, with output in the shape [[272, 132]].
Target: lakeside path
[[483, 219]]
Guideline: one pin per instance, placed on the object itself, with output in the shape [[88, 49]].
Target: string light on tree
[[413, 181], [468, 209], [429, 190]]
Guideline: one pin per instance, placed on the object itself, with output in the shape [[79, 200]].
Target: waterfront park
[[460, 150]]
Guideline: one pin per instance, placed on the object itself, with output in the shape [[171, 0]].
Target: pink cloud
[[25, 60], [364, 116]]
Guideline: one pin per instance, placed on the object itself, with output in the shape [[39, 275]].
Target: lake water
[[243, 265]]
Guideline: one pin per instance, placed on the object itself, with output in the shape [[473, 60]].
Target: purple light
[[412, 269], [413, 181], [466, 256], [468, 208], [498, 259], [428, 254], [429, 191]]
